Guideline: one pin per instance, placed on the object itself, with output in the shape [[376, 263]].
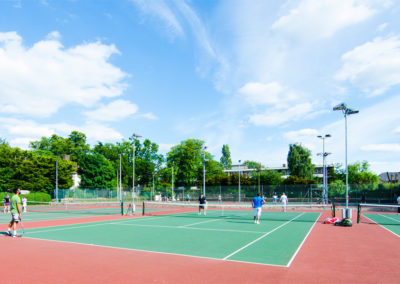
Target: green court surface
[[275, 241], [390, 222]]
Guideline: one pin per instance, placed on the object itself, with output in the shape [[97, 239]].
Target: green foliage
[[38, 196], [187, 159], [226, 160], [359, 173], [270, 177], [294, 180], [95, 171], [252, 164], [32, 171], [299, 162]]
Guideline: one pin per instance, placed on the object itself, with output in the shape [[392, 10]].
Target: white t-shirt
[[284, 199], [24, 200]]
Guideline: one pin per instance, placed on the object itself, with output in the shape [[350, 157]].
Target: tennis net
[[234, 211], [84, 208], [386, 212]]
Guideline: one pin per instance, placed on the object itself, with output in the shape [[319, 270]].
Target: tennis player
[[398, 202], [284, 200], [274, 198], [257, 203], [15, 213], [24, 203], [202, 204], [6, 200]]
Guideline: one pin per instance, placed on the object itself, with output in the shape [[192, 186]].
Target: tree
[[270, 177], [359, 173], [226, 160], [96, 171], [299, 161], [252, 164], [187, 158]]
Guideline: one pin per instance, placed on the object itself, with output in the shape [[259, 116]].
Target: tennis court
[[384, 215], [231, 236]]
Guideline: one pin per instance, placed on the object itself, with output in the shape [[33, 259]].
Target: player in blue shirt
[[257, 203]]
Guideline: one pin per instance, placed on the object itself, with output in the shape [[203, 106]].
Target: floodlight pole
[[346, 111], [239, 181], [120, 177], [324, 176], [57, 180], [172, 184], [204, 170], [134, 136], [259, 173]]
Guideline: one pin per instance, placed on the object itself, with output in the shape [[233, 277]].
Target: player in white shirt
[[284, 201], [24, 203]]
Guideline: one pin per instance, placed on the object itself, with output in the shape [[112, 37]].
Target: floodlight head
[[240, 161], [319, 136], [341, 106], [328, 135], [136, 135], [351, 111], [327, 153]]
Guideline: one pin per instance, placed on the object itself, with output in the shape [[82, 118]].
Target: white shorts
[[15, 217], [257, 211]]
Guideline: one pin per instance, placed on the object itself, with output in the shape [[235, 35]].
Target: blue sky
[[256, 75]]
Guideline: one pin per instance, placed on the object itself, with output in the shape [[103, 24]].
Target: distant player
[[202, 204], [284, 200], [275, 198], [6, 200], [219, 198], [257, 203], [16, 212], [24, 204], [398, 202], [187, 198]]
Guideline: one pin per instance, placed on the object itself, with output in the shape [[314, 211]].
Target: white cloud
[[161, 9], [381, 147], [54, 76], [276, 117], [322, 18], [25, 131], [300, 135], [382, 27], [164, 148], [397, 130], [263, 94], [149, 115], [373, 66], [114, 111]]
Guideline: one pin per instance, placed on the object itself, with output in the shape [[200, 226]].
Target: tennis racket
[[21, 227]]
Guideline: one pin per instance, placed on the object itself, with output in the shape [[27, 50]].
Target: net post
[[122, 208], [358, 213], [333, 209], [143, 209]]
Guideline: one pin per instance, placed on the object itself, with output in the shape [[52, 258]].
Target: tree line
[[98, 166]]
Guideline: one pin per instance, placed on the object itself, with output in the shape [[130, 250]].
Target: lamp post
[[134, 136], [325, 185], [346, 111], [57, 180], [120, 177], [172, 184], [239, 179], [204, 170], [259, 173]]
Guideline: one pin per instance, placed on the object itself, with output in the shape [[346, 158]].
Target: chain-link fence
[[383, 193]]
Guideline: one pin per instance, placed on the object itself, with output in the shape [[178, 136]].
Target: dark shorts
[[201, 206]]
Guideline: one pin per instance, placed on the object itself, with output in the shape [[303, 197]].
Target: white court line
[[208, 221], [381, 226], [100, 223], [189, 228], [389, 218], [263, 236], [156, 252], [298, 249]]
